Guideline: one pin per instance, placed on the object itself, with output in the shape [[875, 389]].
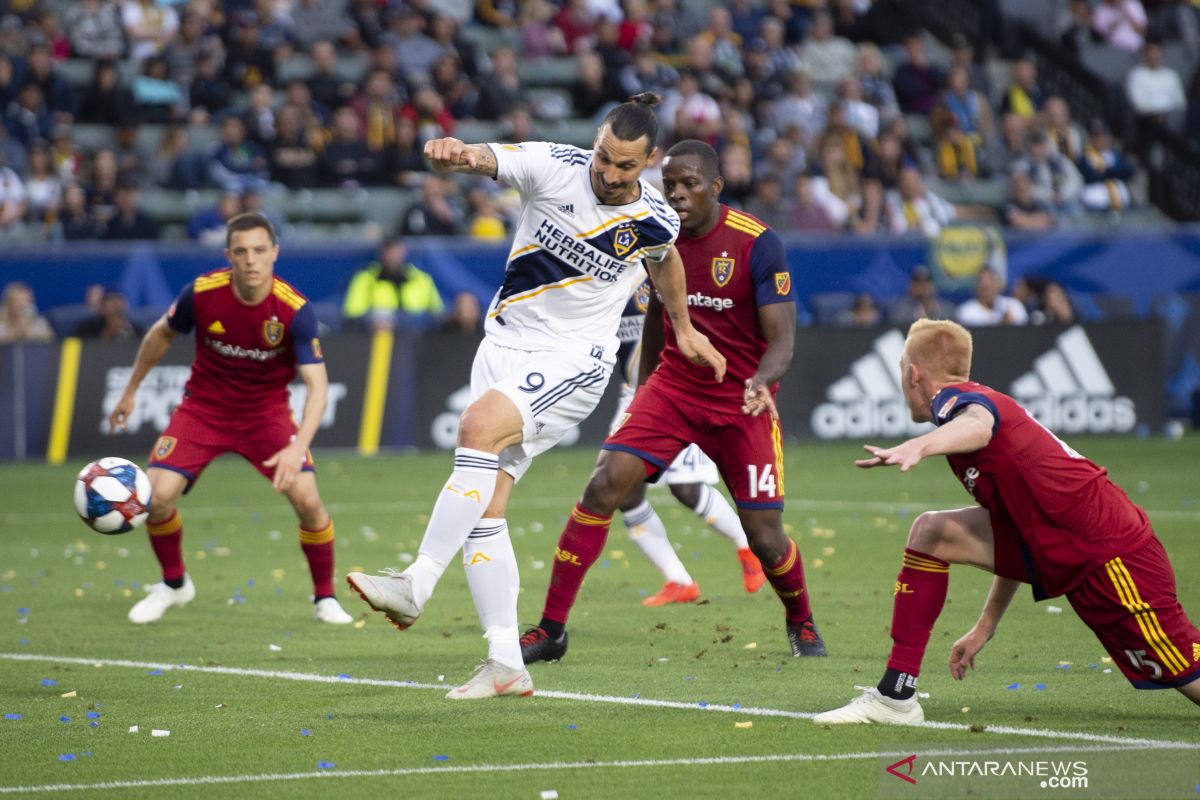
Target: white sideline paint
[[1098, 738], [209, 780]]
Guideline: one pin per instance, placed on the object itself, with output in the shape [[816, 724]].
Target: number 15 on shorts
[[762, 480]]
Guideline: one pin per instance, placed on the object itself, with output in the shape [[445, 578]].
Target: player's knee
[[310, 509], [925, 533], [604, 492], [161, 509], [686, 493], [634, 498]]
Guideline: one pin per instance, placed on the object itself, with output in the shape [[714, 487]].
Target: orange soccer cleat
[[752, 574], [674, 593]]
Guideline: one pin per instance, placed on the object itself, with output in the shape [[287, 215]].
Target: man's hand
[[287, 463], [696, 348], [757, 399], [448, 153], [963, 653], [906, 456], [121, 413]]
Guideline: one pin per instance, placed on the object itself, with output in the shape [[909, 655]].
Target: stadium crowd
[[829, 116]]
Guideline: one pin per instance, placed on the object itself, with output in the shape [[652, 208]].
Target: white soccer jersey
[[574, 262]]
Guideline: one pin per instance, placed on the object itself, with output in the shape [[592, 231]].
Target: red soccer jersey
[[732, 270], [1069, 517], [245, 355]]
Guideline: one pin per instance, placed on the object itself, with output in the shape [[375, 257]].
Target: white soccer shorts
[[554, 391], [692, 465]]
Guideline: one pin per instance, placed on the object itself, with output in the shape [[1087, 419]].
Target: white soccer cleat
[[390, 592], [159, 598], [328, 609], [493, 679], [871, 707]]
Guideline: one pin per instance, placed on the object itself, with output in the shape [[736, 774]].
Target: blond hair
[[940, 347]]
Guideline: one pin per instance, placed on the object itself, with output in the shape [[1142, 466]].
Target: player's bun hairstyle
[[248, 222], [635, 118], [710, 165]]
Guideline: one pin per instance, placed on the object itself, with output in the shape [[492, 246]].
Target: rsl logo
[[164, 446], [272, 331], [624, 238], [722, 270]]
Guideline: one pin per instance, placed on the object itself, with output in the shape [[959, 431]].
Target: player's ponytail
[[635, 118]]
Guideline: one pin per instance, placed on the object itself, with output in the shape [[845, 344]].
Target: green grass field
[[263, 696]]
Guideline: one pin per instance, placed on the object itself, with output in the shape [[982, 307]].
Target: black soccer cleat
[[536, 645], [805, 639]]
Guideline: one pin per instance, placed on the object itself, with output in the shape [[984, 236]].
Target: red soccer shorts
[[748, 451], [193, 439]]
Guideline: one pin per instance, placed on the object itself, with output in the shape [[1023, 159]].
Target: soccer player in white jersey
[[588, 226]]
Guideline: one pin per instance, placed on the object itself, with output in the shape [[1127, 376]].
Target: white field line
[[1079, 736], [209, 780], [563, 504]]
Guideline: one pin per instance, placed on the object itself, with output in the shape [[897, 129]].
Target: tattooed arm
[[453, 155]]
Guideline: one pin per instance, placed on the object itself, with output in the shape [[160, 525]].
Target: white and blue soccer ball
[[112, 495]]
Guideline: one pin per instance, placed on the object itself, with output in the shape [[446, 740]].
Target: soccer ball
[[112, 495]]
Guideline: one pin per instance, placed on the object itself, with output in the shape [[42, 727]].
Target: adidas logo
[[1069, 391], [868, 402], [216, 327], [567, 208]]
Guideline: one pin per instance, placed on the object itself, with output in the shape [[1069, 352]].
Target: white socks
[[458, 509], [491, 567], [716, 511], [650, 535]]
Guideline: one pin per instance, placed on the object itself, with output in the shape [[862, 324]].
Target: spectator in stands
[[726, 45], [1024, 96], [783, 159], [876, 89], [43, 187], [989, 306], [502, 89], [971, 111], [917, 82], [501, 14], [299, 96], [912, 208], [210, 93], [768, 203], [346, 160], [837, 184], [159, 99], [1056, 180], [859, 114], [19, 317], [238, 164], [576, 24], [207, 226], [738, 171], [149, 27], [9, 79], [404, 160], [800, 108], [428, 111], [689, 113], [1009, 146], [1074, 27], [777, 59], [540, 37], [646, 74], [259, 116], [594, 91], [701, 60], [485, 222], [1024, 211], [390, 292], [111, 323], [1056, 307], [101, 185], [415, 52], [444, 31], [1105, 172], [328, 89], [249, 60], [1064, 136], [464, 315], [13, 38], [863, 313], [94, 29], [893, 157], [1154, 90], [376, 107], [317, 20], [368, 17], [129, 221], [455, 87], [438, 213], [808, 214], [294, 161], [674, 22], [28, 117], [962, 55], [56, 90], [172, 166], [183, 51], [14, 199], [106, 101], [1121, 23], [826, 58], [75, 220], [921, 301]]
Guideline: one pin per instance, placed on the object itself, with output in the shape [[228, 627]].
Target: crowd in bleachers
[[144, 119]]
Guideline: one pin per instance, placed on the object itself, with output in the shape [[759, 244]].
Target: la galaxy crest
[[722, 271], [624, 238], [272, 331]]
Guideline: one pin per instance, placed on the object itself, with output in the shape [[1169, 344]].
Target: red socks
[[580, 545], [919, 596], [787, 578], [166, 539], [318, 549]]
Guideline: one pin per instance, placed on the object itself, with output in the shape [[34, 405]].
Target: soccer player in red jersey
[[1046, 516], [740, 296], [254, 332]]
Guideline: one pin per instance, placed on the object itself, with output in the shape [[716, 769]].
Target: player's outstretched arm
[[962, 654], [778, 321], [453, 155], [288, 461], [654, 338], [669, 280], [154, 346], [970, 430]]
